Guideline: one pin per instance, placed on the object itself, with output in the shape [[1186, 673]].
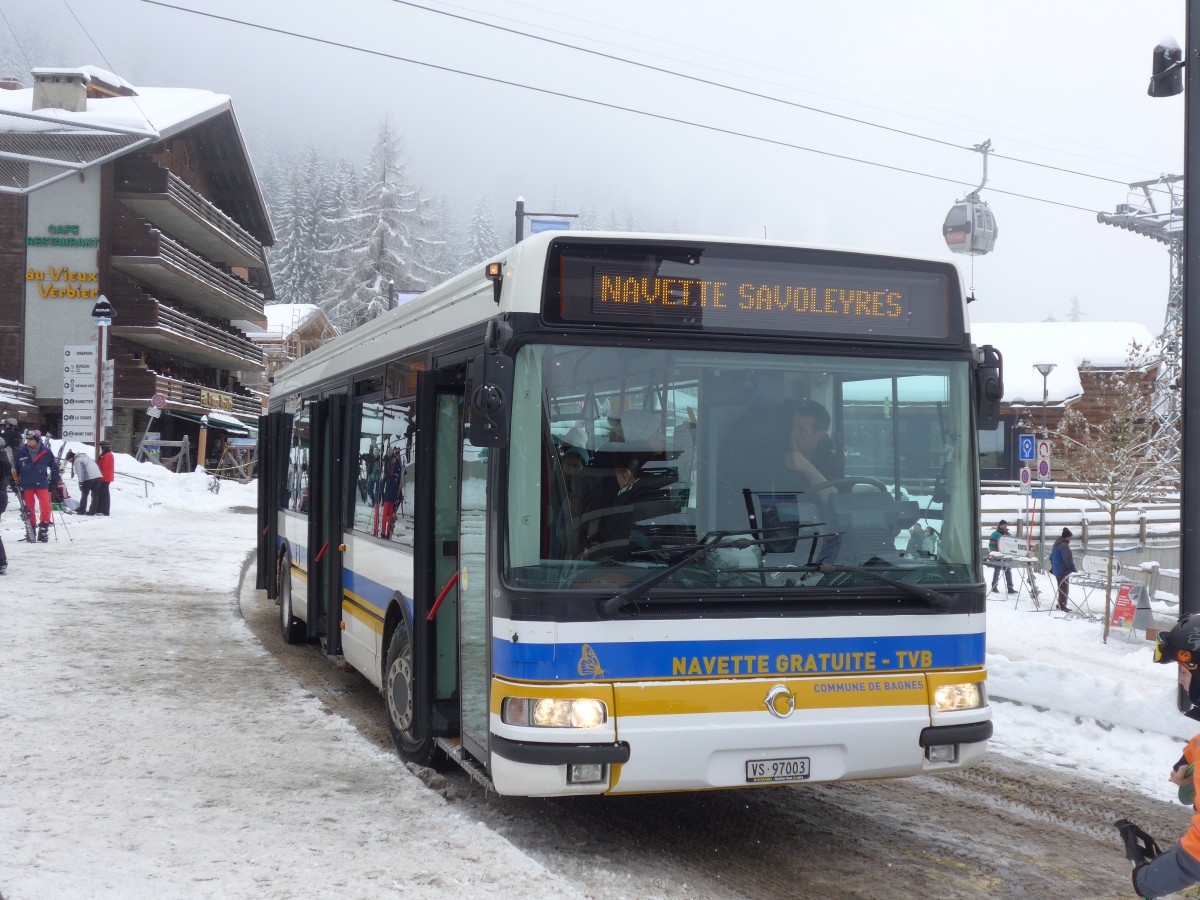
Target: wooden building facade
[[169, 226]]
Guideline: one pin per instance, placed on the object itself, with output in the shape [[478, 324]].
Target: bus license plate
[[765, 771]]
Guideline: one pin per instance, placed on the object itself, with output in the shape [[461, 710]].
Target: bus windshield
[[624, 460]]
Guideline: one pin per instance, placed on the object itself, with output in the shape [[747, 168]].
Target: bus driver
[[810, 452]]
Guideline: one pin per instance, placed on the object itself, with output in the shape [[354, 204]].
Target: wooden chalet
[[146, 196]]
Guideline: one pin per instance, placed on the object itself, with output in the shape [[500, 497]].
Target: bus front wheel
[[401, 700]]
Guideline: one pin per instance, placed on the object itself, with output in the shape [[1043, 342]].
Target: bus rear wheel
[[398, 689], [291, 629]]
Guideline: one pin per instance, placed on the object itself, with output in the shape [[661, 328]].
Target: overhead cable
[[606, 105]]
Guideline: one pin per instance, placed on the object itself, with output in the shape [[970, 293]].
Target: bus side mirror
[[989, 387], [491, 399]]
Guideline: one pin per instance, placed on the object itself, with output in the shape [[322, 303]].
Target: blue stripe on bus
[[370, 592], [736, 658]]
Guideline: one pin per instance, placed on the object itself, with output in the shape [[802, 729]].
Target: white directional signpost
[[102, 315], [79, 392], [110, 368]]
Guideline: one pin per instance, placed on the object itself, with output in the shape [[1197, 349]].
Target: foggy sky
[[1061, 84]]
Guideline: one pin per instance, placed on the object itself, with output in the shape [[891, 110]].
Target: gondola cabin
[[970, 227]]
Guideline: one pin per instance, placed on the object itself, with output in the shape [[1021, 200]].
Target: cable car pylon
[[970, 227]]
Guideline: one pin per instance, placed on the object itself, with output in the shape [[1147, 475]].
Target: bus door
[[438, 580], [274, 446], [325, 522], [268, 504]]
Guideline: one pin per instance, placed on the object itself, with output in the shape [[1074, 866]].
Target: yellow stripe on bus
[[703, 698], [666, 698], [937, 679], [356, 608], [596, 691]]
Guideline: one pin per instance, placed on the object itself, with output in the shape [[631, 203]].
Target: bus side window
[[368, 472], [399, 436], [296, 494]]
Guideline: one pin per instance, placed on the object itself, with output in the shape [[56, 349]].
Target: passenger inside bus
[[628, 485], [607, 502]]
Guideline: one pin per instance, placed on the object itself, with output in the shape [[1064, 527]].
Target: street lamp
[[102, 315], [1045, 369]]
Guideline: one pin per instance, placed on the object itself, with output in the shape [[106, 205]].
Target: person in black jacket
[[5, 474], [12, 436], [1062, 564]]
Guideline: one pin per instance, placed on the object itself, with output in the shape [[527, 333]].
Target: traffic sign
[[1043, 469], [1043, 449], [1026, 479], [153, 412], [1025, 447], [1043, 493], [158, 401]]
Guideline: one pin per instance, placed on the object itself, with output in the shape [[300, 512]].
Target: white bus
[[620, 513]]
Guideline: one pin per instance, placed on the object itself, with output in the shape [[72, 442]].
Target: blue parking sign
[[1025, 446]]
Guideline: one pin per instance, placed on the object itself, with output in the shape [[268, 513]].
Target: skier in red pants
[[37, 469]]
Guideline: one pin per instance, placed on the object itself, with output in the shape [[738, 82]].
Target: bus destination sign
[[759, 295]]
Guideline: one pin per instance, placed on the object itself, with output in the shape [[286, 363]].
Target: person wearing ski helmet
[[37, 470], [1179, 866], [12, 436]]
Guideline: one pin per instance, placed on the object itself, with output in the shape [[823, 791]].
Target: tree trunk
[[1108, 581]]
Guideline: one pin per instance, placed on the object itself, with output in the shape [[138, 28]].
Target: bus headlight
[[949, 697], [549, 712]]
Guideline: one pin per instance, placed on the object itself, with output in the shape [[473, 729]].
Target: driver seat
[[783, 521]]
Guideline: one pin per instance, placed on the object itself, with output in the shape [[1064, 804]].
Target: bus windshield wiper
[[936, 599], [716, 542]]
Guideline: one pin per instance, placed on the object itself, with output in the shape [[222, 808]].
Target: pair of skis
[[30, 533]]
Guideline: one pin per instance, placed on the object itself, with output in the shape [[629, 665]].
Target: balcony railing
[[14, 393], [169, 202], [153, 324], [155, 259], [138, 383]]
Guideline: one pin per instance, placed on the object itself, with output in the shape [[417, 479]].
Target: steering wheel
[[838, 483]]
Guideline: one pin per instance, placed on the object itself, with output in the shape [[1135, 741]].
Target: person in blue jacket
[[1062, 564], [37, 470]]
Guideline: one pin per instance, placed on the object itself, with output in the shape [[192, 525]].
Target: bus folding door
[[436, 546], [273, 433], [325, 522]]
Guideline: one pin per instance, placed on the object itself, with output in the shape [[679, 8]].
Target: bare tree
[[1120, 454]]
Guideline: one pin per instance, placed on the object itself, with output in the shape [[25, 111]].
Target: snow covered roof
[[48, 144], [1067, 345], [156, 112], [284, 319]]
